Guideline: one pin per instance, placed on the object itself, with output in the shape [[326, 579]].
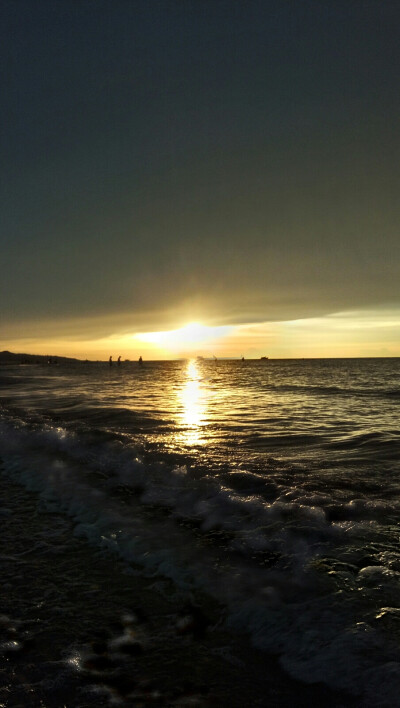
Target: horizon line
[[185, 358]]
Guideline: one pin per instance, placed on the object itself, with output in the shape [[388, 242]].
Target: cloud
[[209, 168]]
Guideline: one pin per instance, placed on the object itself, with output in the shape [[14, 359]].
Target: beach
[[67, 611], [133, 575]]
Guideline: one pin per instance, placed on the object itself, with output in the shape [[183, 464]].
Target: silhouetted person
[[140, 361], [119, 361], [110, 361]]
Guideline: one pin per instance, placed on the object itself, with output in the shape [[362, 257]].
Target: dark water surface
[[270, 488]]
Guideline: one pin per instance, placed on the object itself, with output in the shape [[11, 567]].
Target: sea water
[[271, 487]]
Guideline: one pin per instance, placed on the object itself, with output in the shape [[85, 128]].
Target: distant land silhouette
[[11, 358], [7, 357]]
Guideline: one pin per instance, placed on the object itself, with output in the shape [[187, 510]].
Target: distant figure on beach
[[110, 361], [140, 361], [119, 361]]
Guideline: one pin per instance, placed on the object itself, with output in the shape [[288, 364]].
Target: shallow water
[[273, 487]]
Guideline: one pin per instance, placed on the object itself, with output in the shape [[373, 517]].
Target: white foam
[[289, 609]]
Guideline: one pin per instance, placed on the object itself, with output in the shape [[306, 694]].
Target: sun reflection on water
[[193, 406]]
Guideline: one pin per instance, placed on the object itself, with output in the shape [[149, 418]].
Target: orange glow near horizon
[[348, 334]]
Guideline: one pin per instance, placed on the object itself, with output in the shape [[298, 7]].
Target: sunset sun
[[184, 339]]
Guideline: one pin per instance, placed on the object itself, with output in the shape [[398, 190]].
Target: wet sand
[[79, 628]]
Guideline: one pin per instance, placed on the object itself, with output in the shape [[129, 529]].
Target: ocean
[[203, 533]]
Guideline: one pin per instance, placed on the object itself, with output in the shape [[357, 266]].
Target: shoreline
[[69, 606]]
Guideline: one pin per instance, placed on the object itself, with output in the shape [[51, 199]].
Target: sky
[[200, 177]]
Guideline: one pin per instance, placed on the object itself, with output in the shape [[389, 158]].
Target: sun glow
[[374, 333], [188, 338]]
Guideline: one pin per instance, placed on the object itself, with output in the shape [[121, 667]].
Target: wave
[[382, 445], [298, 581], [317, 390], [276, 441]]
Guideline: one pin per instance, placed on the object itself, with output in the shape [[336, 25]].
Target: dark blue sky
[[233, 161]]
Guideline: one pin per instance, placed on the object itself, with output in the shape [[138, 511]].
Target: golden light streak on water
[[193, 405]]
